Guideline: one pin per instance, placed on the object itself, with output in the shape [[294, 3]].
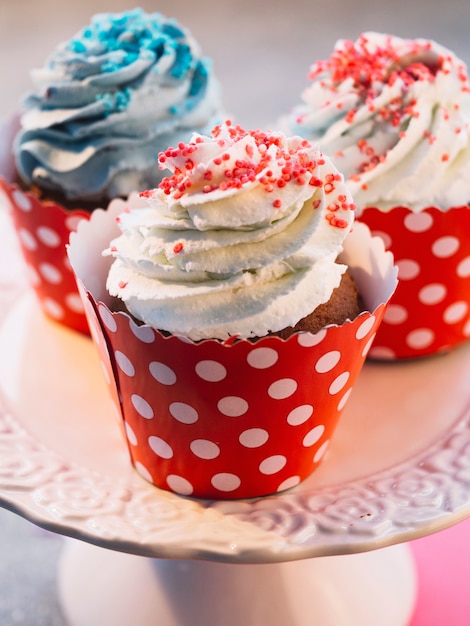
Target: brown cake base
[[345, 303], [49, 197]]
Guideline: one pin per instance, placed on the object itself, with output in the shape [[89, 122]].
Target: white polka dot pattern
[[407, 269], [48, 237], [142, 407], [300, 414], [162, 373], [253, 437], [204, 449], [211, 371], [130, 434], [183, 412], [232, 406], [282, 388], [124, 363], [227, 421], [161, 448], [43, 231], [430, 309]]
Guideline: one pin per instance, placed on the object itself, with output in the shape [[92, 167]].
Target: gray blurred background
[[262, 52]]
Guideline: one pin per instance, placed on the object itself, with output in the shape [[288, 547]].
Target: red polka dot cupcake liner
[[43, 230], [233, 419], [429, 312]]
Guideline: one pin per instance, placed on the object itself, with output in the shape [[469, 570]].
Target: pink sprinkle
[[338, 222]]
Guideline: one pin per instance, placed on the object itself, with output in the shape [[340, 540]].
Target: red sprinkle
[[178, 247], [328, 187], [266, 161], [371, 67]]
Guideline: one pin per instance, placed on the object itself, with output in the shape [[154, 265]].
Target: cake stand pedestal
[[104, 587], [331, 551]]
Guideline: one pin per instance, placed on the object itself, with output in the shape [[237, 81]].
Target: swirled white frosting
[[108, 100], [393, 114], [241, 240]]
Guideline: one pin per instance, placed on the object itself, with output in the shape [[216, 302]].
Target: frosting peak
[[241, 239], [235, 161], [109, 99], [389, 110]]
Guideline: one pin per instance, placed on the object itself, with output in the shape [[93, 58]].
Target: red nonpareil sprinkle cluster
[[333, 207], [370, 67], [371, 158], [373, 64], [267, 159], [294, 163]]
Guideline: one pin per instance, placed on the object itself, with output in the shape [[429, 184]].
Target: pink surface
[[443, 562]]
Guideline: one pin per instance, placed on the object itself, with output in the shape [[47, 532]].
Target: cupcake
[[105, 103], [222, 393], [393, 114]]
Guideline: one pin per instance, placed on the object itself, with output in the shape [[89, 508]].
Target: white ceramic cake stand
[[330, 552]]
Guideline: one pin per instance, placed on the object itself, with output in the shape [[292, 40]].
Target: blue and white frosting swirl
[[109, 100]]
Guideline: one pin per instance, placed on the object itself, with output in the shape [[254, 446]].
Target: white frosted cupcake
[[393, 114], [250, 234]]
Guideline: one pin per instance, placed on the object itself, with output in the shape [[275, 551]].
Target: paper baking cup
[[43, 230], [430, 309], [232, 419]]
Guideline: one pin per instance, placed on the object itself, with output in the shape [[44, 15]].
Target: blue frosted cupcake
[[105, 104], [122, 89]]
